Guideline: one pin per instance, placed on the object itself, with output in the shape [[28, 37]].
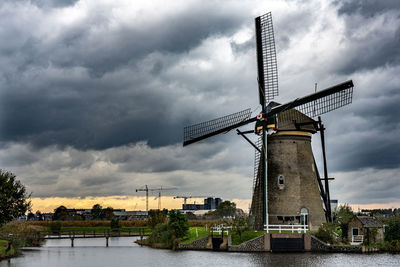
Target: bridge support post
[[141, 231]]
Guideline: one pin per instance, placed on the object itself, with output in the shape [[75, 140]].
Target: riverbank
[[16, 235], [7, 250]]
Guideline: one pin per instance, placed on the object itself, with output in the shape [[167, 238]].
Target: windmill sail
[[200, 131], [266, 59], [256, 209], [321, 102]]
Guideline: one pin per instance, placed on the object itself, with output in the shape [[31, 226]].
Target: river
[[123, 252]]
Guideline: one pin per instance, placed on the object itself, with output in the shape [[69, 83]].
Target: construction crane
[[146, 189], [186, 197]]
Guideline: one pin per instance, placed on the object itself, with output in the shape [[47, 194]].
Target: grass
[[192, 235], [3, 247], [246, 236]]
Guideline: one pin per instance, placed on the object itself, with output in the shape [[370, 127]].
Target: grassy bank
[[246, 236], [6, 250], [16, 235], [194, 234]]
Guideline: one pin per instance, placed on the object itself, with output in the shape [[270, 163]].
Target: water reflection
[[124, 252]]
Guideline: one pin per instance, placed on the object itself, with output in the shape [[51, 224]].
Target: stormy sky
[[94, 95]]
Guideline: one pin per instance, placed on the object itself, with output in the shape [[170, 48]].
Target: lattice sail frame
[[256, 209], [327, 103], [266, 58], [204, 128]]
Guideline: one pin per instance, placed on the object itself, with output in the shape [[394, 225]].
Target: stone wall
[[199, 244], [253, 245], [320, 246]]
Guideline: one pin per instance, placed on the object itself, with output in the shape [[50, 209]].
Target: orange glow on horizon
[[119, 202], [139, 203]]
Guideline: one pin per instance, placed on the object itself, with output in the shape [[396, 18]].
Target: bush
[[326, 233], [390, 246], [114, 224], [161, 235], [393, 230], [55, 227], [20, 234]]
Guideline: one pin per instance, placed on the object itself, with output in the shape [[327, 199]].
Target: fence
[[286, 227]]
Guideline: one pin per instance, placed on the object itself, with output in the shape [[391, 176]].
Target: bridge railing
[[98, 232]]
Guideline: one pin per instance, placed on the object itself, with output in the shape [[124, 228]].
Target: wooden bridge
[[96, 233]]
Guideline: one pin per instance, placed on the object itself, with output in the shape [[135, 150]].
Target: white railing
[[286, 227], [219, 229], [357, 238]]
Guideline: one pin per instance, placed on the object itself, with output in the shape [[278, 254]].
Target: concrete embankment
[[269, 243]]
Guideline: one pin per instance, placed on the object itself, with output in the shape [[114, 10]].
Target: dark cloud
[[89, 87], [367, 8], [53, 3], [94, 102], [372, 35], [99, 181]]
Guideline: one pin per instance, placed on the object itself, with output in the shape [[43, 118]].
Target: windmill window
[[281, 180]]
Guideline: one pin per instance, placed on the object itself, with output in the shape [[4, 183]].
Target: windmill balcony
[[286, 227]]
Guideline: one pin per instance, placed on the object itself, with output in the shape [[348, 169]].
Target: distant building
[[209, 204], [193, 207], [47, 216], [130, 215]]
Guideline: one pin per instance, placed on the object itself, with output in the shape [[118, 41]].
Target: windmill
[[283, 125]]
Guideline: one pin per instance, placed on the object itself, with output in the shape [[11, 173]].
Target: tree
[[156, 217], [30, 216], [393, 230], [240, 224], [97, 212], [342, 217], [14, 200], [226, 209], [60, 214], [39, 215], [178, 224], [108, 213]]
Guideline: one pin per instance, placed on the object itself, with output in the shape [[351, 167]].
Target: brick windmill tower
[[287, 188]]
